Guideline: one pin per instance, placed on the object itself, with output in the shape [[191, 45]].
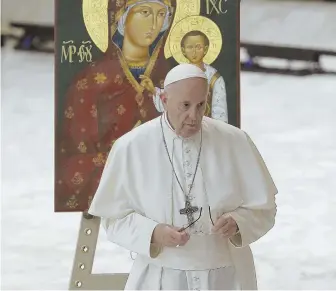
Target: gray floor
[[292, 121]]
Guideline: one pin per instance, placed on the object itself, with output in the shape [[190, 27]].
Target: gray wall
[[29, 11]]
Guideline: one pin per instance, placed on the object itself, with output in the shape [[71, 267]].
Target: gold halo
[[96, 21], [184, 8], [203, 24]]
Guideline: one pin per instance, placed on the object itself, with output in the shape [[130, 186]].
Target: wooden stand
[[82, 277]]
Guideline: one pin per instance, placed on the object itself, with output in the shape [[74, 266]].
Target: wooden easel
[[81, 276]]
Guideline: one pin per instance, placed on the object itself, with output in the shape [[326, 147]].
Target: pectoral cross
[[189, 211]]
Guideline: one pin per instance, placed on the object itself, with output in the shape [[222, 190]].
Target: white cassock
[[138, 190]]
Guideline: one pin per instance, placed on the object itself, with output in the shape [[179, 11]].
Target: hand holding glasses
[[170, 236], [225, 225]]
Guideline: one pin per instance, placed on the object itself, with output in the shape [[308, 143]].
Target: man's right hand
[[169, 236]]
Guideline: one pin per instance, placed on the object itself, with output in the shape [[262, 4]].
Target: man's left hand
[[225, 226]]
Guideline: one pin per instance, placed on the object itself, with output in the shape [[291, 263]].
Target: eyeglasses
[[189, 225]]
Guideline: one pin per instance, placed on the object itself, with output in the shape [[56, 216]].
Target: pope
[[188, 194]]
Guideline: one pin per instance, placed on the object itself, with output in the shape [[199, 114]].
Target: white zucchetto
[[182, 72]]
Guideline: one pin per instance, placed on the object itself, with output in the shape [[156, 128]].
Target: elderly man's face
[[185, 103]]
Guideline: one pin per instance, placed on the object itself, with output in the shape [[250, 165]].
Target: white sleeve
[[114, 202], [257, 217], [132, 232], [157, 100], [219, 102], [252, 224]]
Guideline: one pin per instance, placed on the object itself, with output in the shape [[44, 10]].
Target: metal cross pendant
[[189, 211]]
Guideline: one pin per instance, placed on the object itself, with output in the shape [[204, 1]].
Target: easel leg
[[82, 277]]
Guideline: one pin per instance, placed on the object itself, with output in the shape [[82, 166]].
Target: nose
[[193, 115], [154, 20]]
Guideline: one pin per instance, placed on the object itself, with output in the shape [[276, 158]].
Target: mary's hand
[[147, 83]]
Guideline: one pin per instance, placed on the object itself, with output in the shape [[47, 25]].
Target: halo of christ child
[[194, 46]]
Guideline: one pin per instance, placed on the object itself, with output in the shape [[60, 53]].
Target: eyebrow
[[183, 102]]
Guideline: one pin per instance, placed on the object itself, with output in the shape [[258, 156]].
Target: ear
[[164, 97], [183, 51], [206, 48]]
